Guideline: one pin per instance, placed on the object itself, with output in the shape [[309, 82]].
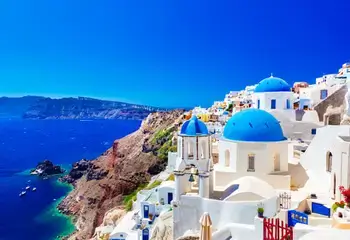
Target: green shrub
[[162, 152], [163, 133], [154, 184], [128, 206], [335, 205], [171, 177], [132, 197]]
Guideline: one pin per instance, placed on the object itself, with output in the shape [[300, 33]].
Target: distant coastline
[[35, 107]]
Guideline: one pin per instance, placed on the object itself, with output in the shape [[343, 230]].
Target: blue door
[[320, 209], [145, 211], [295, 217], [145, 234], [170, 197], [273, 103], [324, 94]]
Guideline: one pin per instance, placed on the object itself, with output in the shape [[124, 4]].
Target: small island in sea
[[46, 168]]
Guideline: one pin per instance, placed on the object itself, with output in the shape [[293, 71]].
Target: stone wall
[[336, 100]]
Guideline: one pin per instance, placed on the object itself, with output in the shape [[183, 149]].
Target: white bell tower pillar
[[178, 185], [204, 185]]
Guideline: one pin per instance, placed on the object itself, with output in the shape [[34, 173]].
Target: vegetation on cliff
[[128, 167], [132, 197]]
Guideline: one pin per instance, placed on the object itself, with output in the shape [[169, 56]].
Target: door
[[295, 217], [170, 197], [273, 103], [145, 211], [145, 234], [277, 165]]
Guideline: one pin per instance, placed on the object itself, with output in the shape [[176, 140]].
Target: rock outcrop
[[84, 167], [101, 184], [46, 168], [163, 229]]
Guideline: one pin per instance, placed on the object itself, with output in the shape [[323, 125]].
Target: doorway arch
[[276, 162], [329, 157], [227, 158]]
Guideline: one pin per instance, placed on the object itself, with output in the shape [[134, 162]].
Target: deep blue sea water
[[23, 143]]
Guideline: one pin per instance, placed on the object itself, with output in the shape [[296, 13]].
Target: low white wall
[[222, 179], [319, 221], [191, 208]]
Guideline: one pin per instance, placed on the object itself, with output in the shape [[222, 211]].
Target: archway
[[190, 149], [227, 158], [276, 161], [329, 156], [204, 150]]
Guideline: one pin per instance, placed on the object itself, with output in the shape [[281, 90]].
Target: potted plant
[[260, 212], [346, 194], [337, 205]]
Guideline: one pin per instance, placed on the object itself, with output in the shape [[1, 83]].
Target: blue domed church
[[273, 93], [253, 143]]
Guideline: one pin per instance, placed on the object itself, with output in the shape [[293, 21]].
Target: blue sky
[[166, 53]]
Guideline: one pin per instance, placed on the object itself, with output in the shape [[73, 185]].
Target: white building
[[231, 190], [327, 161], [275, 96], [273, 93]]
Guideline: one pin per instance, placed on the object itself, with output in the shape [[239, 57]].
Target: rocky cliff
[[101, 184], [33, 107]]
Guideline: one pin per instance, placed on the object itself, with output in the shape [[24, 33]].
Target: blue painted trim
[[295, 217], [320, 209]]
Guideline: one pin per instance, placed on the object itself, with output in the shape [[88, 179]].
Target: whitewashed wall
[[264, 155], [192, 208], [314, 159], [280, 97]]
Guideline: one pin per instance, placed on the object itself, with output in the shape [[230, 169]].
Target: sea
[[24, 143]]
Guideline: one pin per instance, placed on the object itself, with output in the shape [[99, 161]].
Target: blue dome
[[194, 127], [253, 125], [272, 84]]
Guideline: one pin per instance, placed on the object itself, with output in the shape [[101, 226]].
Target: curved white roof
[[250, 184]]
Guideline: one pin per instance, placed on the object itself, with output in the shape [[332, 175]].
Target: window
[[273, 103], [288, 104], [329, 162], [313, 131], [258, 103], [324, 94], [251, 163]]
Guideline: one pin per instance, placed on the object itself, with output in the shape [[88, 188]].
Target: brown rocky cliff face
[[124, 167]]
